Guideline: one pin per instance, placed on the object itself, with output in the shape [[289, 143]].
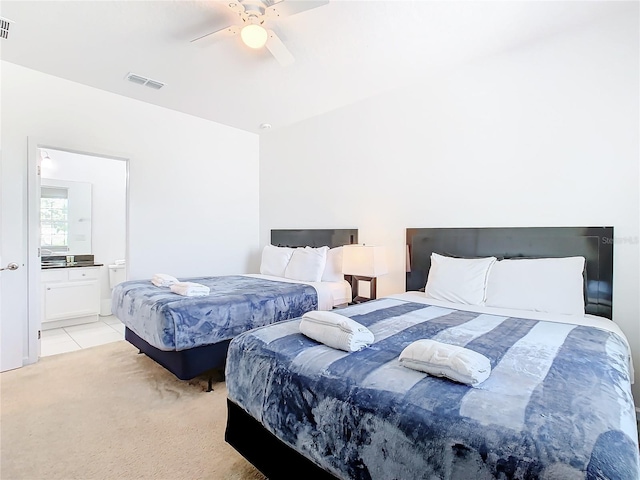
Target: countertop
[[71, 265], [49, 262]]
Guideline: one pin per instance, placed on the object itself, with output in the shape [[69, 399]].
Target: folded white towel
[[190, 289], [335, 330], [163, 280], [444, 360]]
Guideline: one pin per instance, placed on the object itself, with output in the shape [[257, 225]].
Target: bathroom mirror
[[65, 217]]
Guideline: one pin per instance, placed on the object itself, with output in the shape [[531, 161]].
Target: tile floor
[[67, 339]]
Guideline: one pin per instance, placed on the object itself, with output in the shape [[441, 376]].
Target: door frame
[[34, 300]]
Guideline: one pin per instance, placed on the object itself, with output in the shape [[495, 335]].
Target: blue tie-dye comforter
[[557, 404], [237, 303]]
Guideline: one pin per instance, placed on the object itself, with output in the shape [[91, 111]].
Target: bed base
[[275, 459], [185, 364]]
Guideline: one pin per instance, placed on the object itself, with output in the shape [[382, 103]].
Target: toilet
[[117, 273]]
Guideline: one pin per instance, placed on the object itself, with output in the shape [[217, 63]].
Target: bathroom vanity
[[70, 291]]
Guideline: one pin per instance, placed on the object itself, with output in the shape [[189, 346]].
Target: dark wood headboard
[[593, 243], [314, 237]]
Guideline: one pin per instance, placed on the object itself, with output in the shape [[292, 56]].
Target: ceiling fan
[[254, 17]]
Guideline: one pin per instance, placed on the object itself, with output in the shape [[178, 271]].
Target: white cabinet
[[70, 296]]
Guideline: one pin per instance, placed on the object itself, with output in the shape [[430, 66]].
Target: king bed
[[557, 403], [189, 335]]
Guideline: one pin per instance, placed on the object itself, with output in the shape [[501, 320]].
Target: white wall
[[542, 135], [108, 179], [193, 183]]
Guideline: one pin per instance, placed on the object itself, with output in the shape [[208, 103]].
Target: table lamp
[[364, 263]]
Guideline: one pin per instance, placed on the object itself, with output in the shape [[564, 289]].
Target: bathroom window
[[54, 219]]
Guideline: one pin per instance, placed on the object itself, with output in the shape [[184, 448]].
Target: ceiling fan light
[[254, 36]]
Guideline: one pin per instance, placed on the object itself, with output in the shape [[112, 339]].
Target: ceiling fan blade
[[211, 37], [286, 8], [279, 50]]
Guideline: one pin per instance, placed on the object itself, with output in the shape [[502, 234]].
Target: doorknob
[[11, 266]]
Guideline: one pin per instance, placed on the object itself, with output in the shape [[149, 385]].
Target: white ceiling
[[345, 51]]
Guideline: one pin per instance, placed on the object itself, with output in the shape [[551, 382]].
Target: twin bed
[[557, 404], [189, 336]]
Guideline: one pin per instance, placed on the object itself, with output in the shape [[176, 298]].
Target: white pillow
[[554, 285], [458, 280], [275, 260], [333, 268], [307, 264]]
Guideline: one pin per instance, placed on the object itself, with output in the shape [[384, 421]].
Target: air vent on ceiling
[[147, 82], [4, 27], [154, 84]]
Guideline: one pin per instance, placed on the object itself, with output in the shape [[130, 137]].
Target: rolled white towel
[[444, 360], [190, 289], [335, 330], [163, 280]]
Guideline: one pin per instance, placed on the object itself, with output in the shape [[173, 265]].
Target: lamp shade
[[364, 260]]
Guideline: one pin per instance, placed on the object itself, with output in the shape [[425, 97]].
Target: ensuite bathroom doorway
[[82, 219]]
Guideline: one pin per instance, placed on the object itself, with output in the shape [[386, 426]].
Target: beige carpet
[[108, 413]]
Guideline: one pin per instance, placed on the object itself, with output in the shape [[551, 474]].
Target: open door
[[18, 347], [20, 245]]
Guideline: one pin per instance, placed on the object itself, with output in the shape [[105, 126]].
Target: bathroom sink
[[61, 261], [67, 264], [54, 263]]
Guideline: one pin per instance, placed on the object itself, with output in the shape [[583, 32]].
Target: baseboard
[[68, 322]]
